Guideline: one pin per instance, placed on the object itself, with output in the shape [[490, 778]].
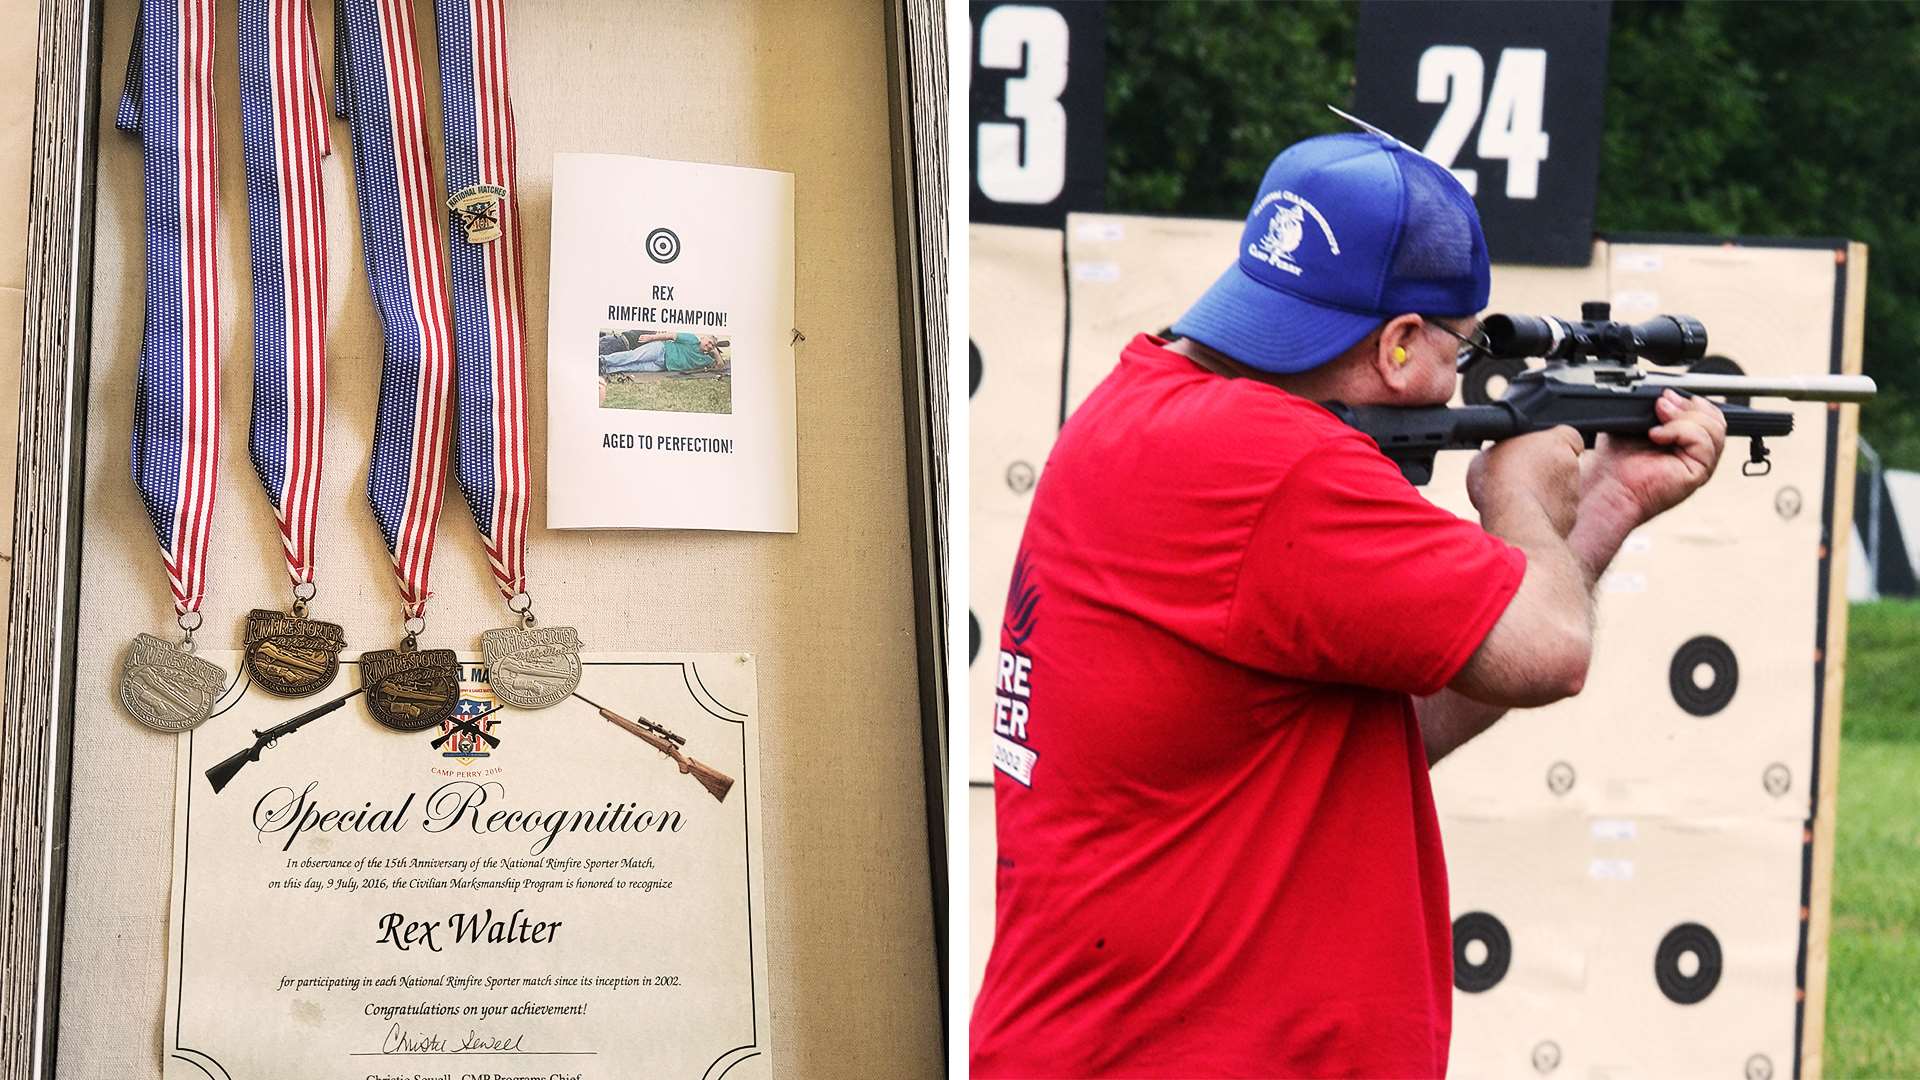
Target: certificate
[[508, 895]]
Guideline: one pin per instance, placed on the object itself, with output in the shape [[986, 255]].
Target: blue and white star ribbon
[[283, 122], [381, 94], [168, 103]]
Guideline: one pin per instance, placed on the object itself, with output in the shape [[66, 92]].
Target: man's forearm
[[1449, 718], [1606, 516]]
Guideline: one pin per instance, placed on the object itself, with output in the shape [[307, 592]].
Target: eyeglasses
[[1472, 344]]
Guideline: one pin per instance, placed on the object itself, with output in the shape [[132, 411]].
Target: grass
[[1873, 977], [663, 393]]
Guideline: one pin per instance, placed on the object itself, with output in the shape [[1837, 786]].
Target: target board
[[1640, 874], [1015, 344]]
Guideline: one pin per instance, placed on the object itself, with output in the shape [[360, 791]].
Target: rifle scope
[[1663, 339]]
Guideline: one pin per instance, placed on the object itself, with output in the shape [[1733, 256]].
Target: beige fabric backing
[[828, 613]]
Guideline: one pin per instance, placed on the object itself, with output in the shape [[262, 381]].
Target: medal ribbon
[[489, 297], [383, 101], [168, 102], [283, 122]]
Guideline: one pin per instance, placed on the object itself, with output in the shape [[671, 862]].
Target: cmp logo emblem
[[1285, 229], [663, 245], [469, 735]]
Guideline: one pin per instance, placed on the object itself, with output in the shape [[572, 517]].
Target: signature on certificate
[[401, 1041]]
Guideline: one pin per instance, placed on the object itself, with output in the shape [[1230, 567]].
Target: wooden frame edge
[[35, 752], [1824, 826], [917, 91]]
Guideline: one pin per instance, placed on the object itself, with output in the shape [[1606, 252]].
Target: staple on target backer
[[1017, 332]]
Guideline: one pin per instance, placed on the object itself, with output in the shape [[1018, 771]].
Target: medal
[[166, 687], [168, 103], [283, 123], [380, 94], [292, 655], [527, 667], [409, 689], [532, 668]]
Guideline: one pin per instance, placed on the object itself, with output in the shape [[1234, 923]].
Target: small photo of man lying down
[[666, 371]]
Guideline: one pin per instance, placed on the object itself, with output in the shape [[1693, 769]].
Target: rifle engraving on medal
[[168, 688], [532, 668], [291, 656], [411, 691]]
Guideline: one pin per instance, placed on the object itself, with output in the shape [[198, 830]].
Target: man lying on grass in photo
[[665, 352], [662, 352]]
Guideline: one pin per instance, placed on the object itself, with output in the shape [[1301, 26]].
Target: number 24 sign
[[1506, 94]]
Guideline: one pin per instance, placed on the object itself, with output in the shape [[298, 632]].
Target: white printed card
[[670, 399]]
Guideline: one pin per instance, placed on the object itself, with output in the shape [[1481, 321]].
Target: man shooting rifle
[[1239, 638]]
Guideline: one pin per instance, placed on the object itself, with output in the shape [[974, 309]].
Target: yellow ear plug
[[1399, 354]]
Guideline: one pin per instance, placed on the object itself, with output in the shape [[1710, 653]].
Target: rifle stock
[[716, 782], [222, 774]]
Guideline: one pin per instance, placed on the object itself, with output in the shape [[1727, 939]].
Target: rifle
[[1592, 382], [716, 782], [222, 774]]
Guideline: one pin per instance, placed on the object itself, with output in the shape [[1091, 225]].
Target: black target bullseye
[[1476, 381], [977, 369], [1491, 932], [663, 245], [1681, 940], [973, 637], [1723, 669]]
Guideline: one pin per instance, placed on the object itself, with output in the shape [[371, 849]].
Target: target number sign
[[1038, 105], [1506, 95]]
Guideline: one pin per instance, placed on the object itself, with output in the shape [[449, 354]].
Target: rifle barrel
[[1792, 387]]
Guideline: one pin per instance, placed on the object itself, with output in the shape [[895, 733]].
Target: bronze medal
[[291, 655], [409, 690], [168, 688], [532, 668]]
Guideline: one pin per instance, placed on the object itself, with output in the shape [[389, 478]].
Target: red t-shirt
[[1217, 847]]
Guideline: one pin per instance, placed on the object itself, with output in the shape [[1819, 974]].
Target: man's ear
[[1393, 355]]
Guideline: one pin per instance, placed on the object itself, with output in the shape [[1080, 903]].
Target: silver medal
[[531, 668], [168, 688]]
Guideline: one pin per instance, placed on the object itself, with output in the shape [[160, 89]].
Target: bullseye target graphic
[[1687, 964], [1482, 950], [663, 245], [1704, 675]]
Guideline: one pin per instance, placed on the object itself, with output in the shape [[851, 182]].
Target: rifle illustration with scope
[[716, 782], [1591, 381]]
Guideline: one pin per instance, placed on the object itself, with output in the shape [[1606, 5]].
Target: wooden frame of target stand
[[1848, 336]]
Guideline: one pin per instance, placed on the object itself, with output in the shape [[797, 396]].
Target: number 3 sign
[[1506, 94], [1038, 100]]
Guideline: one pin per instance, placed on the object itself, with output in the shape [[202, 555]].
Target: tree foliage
[[1722, 119]]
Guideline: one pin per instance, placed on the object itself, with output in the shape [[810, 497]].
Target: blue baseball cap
[[1348, 231]]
